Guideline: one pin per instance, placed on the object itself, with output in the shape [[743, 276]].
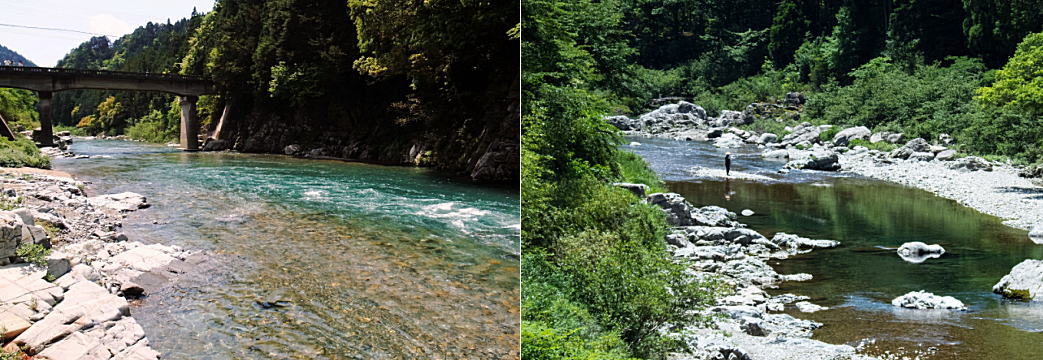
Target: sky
[[113, 18]]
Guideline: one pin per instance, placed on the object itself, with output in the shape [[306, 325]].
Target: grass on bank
[[22, 152]]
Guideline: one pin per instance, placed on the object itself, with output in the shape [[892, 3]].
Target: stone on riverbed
[[971, 163], [678, 211], [916, 252], [1025, 281], [122, 202], [945, 155], [925, 300], [824, 160], [808, 307], [747, 212]]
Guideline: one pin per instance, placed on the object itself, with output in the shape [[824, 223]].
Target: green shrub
[[880, 145], [826, 136], [22, 152], [634, 169], [33, 253]]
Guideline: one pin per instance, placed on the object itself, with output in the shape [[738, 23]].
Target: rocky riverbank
[[748, 323], [74, 302]]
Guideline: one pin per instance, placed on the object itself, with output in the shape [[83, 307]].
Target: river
[[858, 279], [311, 259]]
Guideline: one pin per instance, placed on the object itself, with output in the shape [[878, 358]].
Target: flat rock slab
[[122, 202]]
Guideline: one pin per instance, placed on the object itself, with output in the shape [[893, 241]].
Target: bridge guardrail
[[104, 73]]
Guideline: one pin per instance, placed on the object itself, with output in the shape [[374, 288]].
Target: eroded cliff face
[[480, 142]]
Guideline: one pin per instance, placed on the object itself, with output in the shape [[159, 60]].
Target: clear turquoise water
[[858, 279], [376, 261]]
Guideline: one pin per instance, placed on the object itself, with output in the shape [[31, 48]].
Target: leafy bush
[[929, 101], [33, 253], [880, 145], [634, 169], [826, 136], [22, 152]]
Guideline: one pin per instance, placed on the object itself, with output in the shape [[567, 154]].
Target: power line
[[57, 29]]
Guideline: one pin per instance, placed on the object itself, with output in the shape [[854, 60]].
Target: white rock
[[122, 202], [747, 212], [1024, 280], [925, 300]]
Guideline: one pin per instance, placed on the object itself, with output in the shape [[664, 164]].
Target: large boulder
[[1025, 281], [678, 210], [913, 146], [925, 300], [804, 133], [766, 138], [916, 252], [671, 117], [794, 99], [844, 137], [921, 156], [728, 140], [730, 118], [824, 160], [713, 216], [970, 163], [622, 122], [945, 155], [1032, 171]]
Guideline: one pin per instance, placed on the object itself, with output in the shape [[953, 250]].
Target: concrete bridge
[[46, 81]]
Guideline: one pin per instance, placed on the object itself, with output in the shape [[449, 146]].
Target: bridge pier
[[189, 124], [46, 135]]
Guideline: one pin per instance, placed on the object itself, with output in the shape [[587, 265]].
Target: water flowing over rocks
[[1025, 281], [76, 306], [925, 300]]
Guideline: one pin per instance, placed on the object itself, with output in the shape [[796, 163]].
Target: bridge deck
[[97, 73]]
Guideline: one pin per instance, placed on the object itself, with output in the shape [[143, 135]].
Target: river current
[[317, 259], [859, 279]]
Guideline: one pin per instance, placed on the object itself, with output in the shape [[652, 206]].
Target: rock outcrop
[[844, 137], [1025, 281]]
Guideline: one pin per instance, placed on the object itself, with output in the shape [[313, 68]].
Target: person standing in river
[[727, 164]]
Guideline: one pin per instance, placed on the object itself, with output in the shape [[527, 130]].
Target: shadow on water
[[362, 261]]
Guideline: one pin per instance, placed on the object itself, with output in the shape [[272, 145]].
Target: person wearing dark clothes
[[728, 164]]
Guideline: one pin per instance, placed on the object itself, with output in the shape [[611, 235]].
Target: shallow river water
[[363, 261], [858, 279]]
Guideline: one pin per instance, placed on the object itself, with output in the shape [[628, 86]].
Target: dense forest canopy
[[395, 81]]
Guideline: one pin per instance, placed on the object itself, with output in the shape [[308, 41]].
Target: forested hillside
[[8, 54], [18, 108], [431, 83], [595, 268], [935, 58]]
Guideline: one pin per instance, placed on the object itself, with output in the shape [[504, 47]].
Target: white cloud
[[108, 25]]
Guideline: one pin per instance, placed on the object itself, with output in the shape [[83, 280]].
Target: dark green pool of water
[[376, 262], [859, 279]]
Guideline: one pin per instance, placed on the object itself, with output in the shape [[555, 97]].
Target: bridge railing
[[99, 73]]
